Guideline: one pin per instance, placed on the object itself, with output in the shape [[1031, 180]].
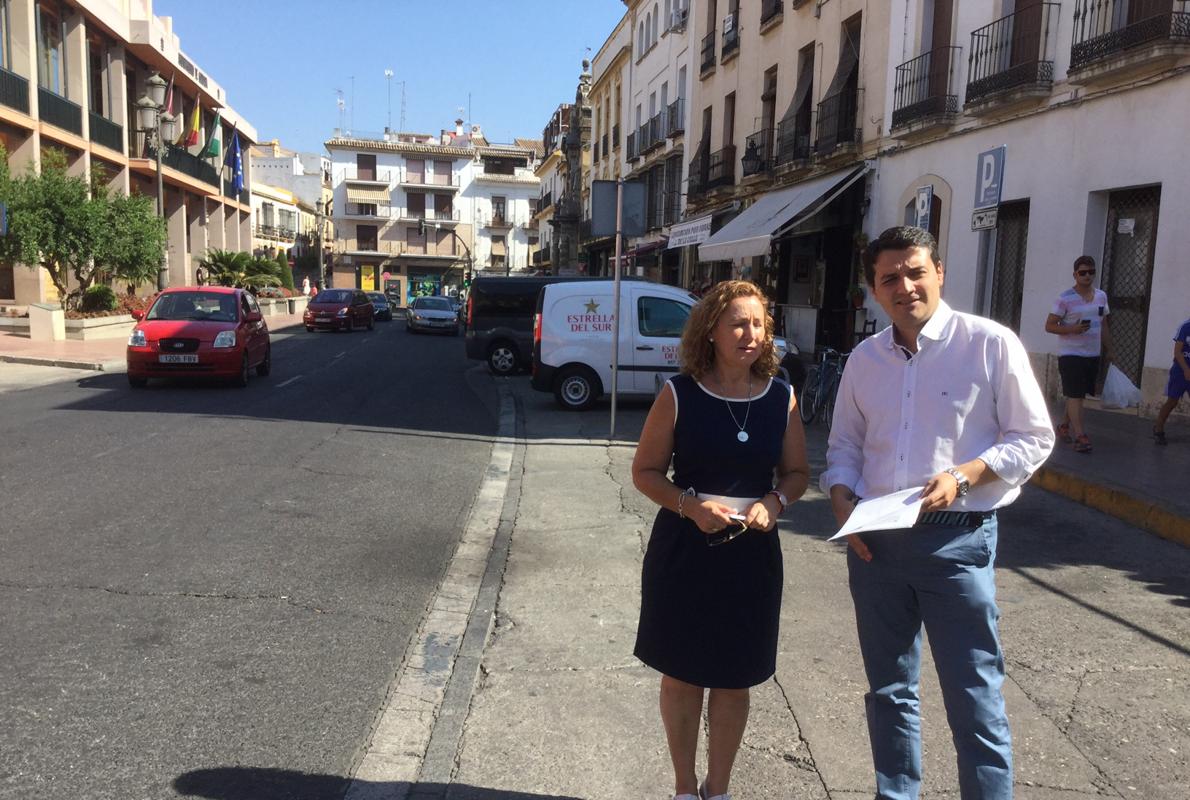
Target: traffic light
[[466, 280]]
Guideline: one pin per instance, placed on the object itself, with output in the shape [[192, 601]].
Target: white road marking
[[283, 384], [340, 355]]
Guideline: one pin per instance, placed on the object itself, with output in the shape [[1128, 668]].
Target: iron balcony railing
[[721, 167], [696, 176], [655, 132], [925, 86], [372, 176], [770, 9], [675, 117], [14, 91], [616, 136], [275, 232], [544, 203], [673, 207], [595, 155], [708, 52], [1104, 28], [633, 152], [731, 37], [59, 112], [794, 137], [178, 158], [1014, 52], [758, 153], [105, 132], [606, 151], [838, 116]]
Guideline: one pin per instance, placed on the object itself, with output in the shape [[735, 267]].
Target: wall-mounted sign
[[925, 201], [989, 177], [1126, 226], [984, 219]]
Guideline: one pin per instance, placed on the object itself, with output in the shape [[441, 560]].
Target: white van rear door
[[657, 323]]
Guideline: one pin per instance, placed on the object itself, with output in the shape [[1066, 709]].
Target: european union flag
[[235, 160]]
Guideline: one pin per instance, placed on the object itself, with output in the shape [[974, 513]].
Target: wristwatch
[[964, 485], [781, 498]]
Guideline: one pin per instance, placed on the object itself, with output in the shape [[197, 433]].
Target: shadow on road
[[260, 783]]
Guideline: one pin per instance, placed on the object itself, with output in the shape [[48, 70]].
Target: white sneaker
[[702, 794], [685, 797]]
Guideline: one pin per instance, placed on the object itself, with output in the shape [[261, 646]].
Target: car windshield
[[212, 306], [333, 296], [432, 304], [377, 298]]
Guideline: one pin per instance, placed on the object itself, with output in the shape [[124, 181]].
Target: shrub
[[283, 271], [98, 298]]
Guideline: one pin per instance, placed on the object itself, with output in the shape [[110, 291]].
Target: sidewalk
[[1099, 702], [1127, 475], [101, 354]]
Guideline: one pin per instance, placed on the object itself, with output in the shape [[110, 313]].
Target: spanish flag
[[190, 136]]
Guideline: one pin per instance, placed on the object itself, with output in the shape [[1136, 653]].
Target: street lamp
[[751, 161], [155, 121]]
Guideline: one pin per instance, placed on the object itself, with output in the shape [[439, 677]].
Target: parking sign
[[989, 177], [925, 202]]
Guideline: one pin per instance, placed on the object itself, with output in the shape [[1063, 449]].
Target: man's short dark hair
[[1084, 261], [900, 237]]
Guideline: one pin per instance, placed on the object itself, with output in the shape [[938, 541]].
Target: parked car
[[432, 314], [499, 320], [340, 309], [383, 311], [212, 331]]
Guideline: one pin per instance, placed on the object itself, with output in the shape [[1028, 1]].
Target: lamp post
[[154, 120]]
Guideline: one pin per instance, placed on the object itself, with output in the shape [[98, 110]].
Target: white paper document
[[890, 512]]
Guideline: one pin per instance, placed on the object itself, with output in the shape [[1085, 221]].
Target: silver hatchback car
[[432, 314]]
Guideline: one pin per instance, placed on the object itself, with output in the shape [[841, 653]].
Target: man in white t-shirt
[[1079, 317]]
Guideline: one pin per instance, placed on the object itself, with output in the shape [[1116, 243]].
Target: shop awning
[[751, 233], [362, 194], [646, 248], [696, 231]]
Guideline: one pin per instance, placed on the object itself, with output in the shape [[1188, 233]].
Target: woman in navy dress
[[711, 584]]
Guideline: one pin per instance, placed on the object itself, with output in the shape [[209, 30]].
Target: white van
[[572, 336]]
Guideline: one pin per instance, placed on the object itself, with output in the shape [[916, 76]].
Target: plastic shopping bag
[[1118, 391]]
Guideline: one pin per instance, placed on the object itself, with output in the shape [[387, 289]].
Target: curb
[[1119, 503], [67, 363]]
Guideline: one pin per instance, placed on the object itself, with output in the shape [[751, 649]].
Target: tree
[[54, 222], [133, 240], [285, 273], [230, 268]]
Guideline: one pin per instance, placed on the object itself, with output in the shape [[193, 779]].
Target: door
[[1008, 274], [1026, 33], [1128, 272], [415, 170], [365, 167], [256, 333], [940, 27], [656, 334]]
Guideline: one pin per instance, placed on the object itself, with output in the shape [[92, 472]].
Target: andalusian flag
[[214, 145]]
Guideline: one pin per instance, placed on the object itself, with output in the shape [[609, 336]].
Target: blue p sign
[[989, 177]]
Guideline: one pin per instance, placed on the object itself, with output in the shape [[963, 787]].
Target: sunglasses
[[1085, 272], [727, 534]]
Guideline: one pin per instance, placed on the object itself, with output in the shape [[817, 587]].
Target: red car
[[340, 310], [212, 330]]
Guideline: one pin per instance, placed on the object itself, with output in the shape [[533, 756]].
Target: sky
[[282, 63]]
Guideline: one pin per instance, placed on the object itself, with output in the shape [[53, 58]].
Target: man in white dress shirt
[[948, 401]]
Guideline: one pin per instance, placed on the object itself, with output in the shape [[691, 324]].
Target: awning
[[359, 194], [646, 248], [751, 233], [498, 247], [696, 231]]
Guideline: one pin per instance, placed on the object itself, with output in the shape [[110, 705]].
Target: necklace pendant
[[742, 436]]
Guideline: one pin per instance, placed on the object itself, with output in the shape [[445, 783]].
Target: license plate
[[175, 358]]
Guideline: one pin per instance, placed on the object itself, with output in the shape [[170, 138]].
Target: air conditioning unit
[[677, 20]]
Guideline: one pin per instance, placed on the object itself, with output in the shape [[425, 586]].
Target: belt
[[956, 519]]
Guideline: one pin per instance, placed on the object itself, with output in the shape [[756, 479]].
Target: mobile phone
[[1101, 311]]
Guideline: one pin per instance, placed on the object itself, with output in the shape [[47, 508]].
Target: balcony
[[794, 138], [633, 153], [274, 232], [106, 132], [178, 158], [652, 133], [731, 40], [59, 112], [924, 92], [675, 118], [371, 177], [1012, 59], [543, 204], [771, 12], [497, 221], [758, 153], [838, 117], [673, 207], [603, 141], [721, 168], [14, 91], [369, 211], [421, 181], [1117, 38], [595, 156], [616, 136], [707, 63]]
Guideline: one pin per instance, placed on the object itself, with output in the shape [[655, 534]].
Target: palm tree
[[231, 268]]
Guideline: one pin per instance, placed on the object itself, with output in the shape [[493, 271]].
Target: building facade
[[417, 214], [307, 177], [71, 74], [1071, 91], [549, 175]]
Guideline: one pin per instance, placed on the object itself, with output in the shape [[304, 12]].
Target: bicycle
[[821, 386]]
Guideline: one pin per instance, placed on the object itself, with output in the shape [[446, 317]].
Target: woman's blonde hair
[[697, 350]]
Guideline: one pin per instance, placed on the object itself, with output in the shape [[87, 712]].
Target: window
[[659, 316], [51, 57], [365, 166], [648, 30], [365, 236], [5, 44], [499, 206], [247, 309], [729, 120], [266, 214], [97, 76]]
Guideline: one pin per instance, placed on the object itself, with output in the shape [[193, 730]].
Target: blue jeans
[[942, 577]]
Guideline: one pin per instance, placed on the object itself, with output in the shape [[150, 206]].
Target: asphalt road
[[196, 576]]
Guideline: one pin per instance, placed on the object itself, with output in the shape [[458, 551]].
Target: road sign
[[603, 208], [984, 219], [925, 201], [989, 177]]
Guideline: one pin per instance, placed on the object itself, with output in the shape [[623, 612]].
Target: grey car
[[432, 314]]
